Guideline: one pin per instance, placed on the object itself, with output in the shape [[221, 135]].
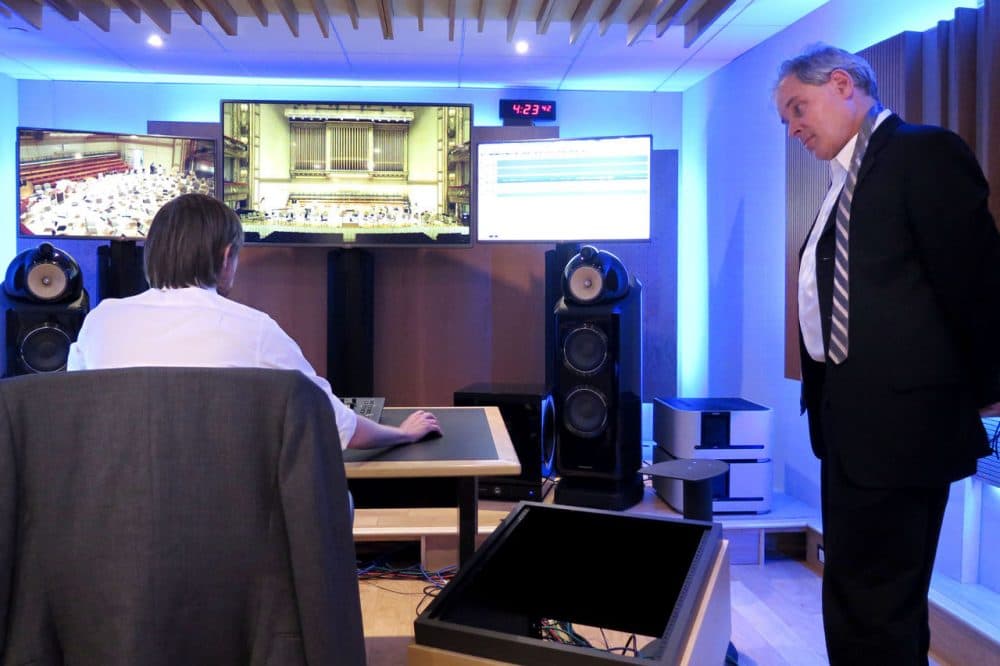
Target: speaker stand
[[614, 495], [350, 345], [120, 271]]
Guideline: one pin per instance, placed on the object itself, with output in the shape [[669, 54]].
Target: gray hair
[[818, 61]]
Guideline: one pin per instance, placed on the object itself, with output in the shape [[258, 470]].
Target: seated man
[[184, 319]]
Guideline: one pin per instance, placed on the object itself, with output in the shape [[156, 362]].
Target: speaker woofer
[[585, 412], [45, 349], [585, 349]]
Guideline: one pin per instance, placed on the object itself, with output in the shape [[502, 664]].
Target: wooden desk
[[474, 443]]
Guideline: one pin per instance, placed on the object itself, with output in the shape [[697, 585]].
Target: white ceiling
[[80, 50]]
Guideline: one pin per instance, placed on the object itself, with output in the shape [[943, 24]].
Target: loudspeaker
[[598, 386], [44, 304], [527, 412]]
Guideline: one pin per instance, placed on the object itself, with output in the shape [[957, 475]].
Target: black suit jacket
[[167, 516], [924, 316]]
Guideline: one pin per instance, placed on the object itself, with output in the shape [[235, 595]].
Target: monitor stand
[[350, 346], [120, 271]]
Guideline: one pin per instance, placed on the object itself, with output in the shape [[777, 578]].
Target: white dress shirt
[[192, 327], [809, 317]]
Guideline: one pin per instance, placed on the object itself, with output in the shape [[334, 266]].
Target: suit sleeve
[[321, 547], [947, 204]]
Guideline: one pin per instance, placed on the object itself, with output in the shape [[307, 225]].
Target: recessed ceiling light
[[154, 40], [521, 46]]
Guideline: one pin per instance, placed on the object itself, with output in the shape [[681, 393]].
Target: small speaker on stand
[[44, 304]]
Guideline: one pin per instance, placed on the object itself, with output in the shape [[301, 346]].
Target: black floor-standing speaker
[[598, 384], [44, 304], [527, 413]]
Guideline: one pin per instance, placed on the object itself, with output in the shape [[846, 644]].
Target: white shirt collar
[[841, 164]]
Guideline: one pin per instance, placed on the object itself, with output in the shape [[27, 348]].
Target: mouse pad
[[465, 435]]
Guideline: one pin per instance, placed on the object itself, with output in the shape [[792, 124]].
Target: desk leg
[[468, 517]]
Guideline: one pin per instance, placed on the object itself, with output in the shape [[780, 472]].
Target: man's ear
[[842, 83]]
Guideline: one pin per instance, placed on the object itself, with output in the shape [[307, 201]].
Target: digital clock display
[[527, 108]]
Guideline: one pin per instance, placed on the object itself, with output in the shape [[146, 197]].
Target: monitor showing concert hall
[[348, 174], [80, 184]]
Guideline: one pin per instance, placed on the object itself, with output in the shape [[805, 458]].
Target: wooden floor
[[776, 616], [775, 613]]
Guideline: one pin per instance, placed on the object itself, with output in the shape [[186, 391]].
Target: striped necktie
[[841, 291]]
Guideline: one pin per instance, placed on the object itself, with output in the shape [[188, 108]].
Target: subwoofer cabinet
[[527, 413]]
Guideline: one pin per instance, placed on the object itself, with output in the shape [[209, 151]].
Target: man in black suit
[[898, 343]]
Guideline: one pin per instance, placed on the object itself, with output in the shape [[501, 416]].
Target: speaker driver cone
[[45, 349], [586, 284], [585, 412], [46, 281], [585, 349]]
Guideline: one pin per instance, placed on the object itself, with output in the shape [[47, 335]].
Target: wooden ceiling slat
[[544, 17], [639, 20], [385, 17], [98, 12], [322, 15], [160, 13], [29, 10], [259, 10], [703, 18], [130, 9], [192, 10], [481, 16], [420, 15], [579, 19], [68, 11], [512, 20], [664, 20], [608, 14], [451, 20], [352, 11], [224, 15], [290, 14]]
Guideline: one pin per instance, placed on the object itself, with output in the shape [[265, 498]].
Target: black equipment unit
[[527, 412]]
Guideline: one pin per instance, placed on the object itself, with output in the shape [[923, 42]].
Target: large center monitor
[[348, 173], [564, 190], [78, 184]]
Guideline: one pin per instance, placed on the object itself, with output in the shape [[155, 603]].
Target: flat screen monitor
[[78, 184], [348, 173], [564, 190]]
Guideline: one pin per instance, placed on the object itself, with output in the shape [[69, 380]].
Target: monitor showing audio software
[[564, 190], [348, 173], [79, 184]]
